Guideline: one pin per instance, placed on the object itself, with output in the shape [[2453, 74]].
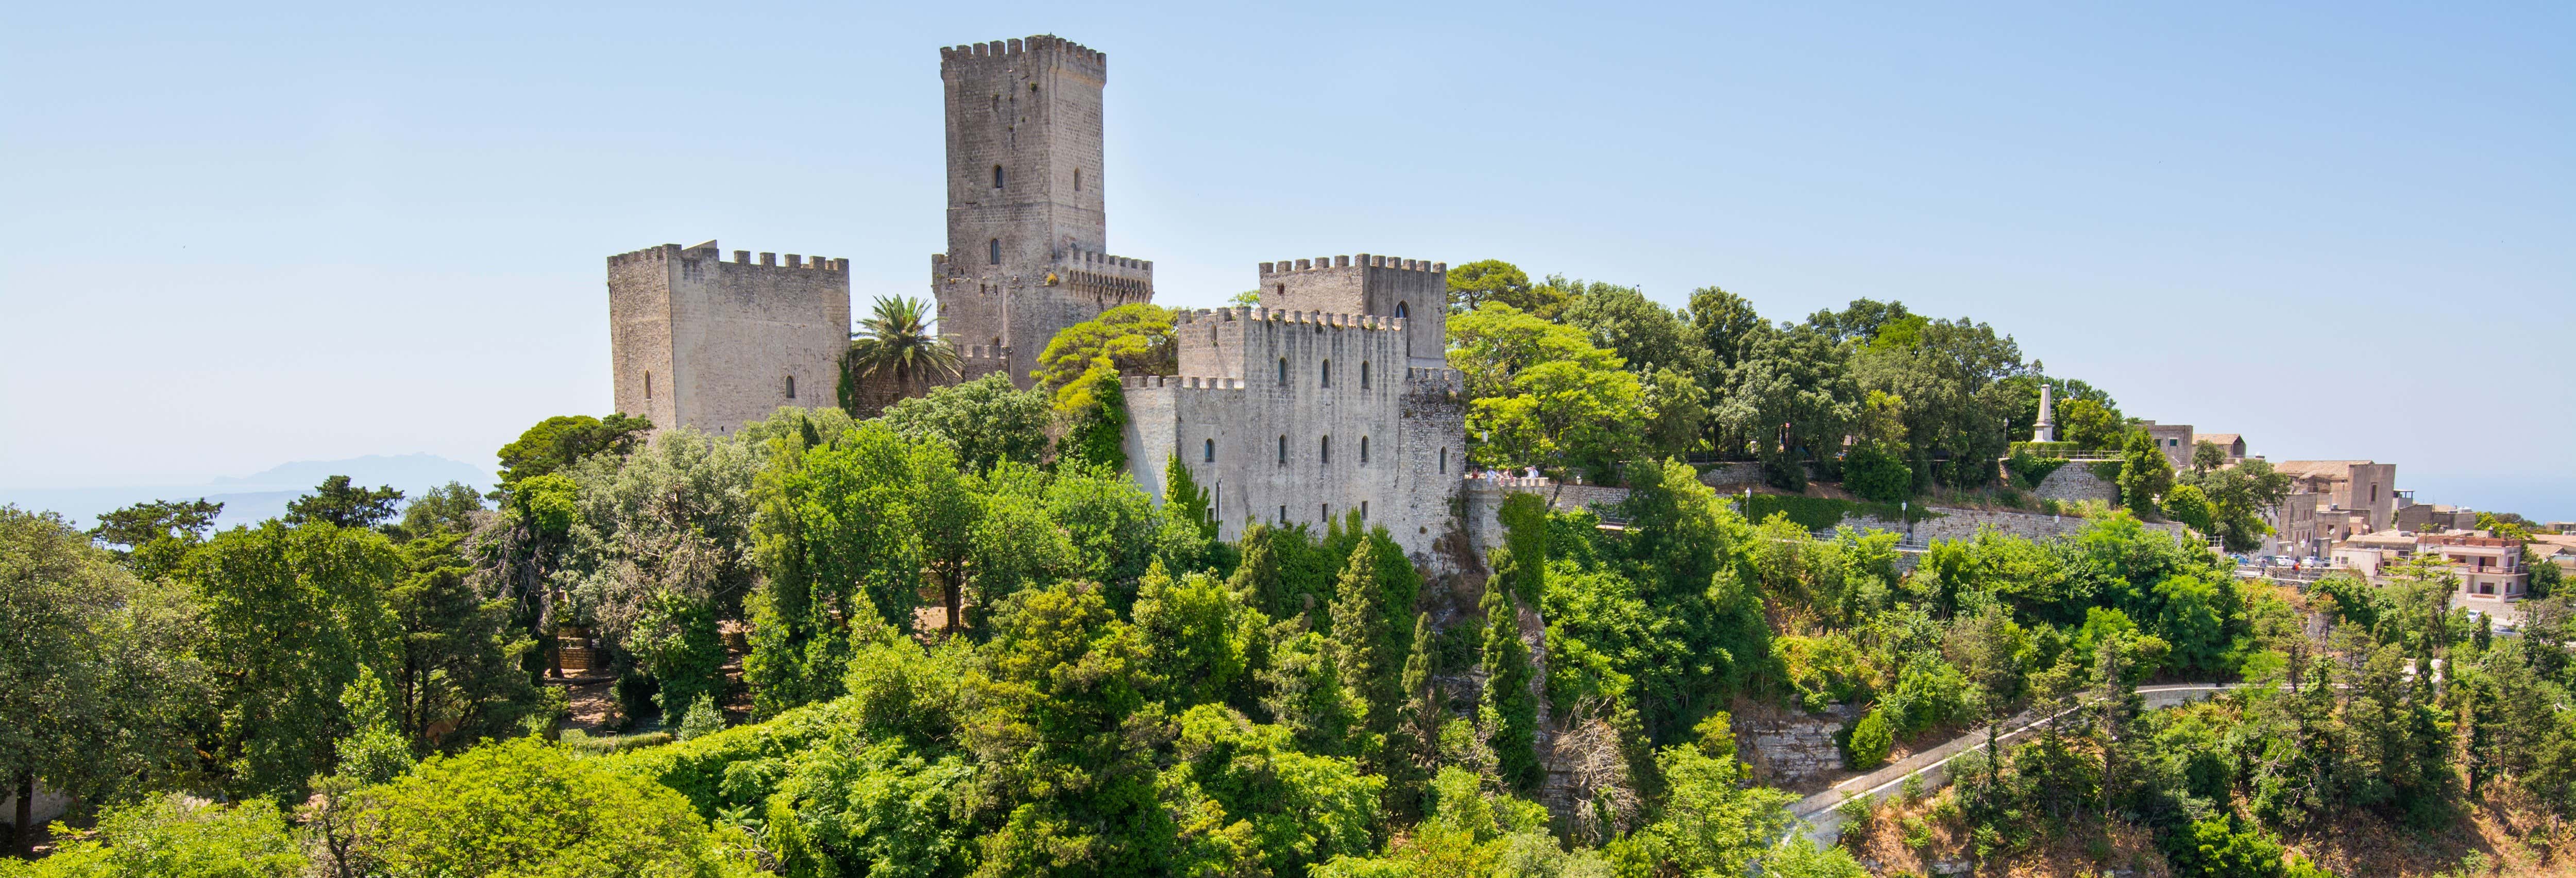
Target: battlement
[[1103, 261], [667, 252], [1363, 260], [1444, 378], [983, 352], [1257, 313], [1007, 49]]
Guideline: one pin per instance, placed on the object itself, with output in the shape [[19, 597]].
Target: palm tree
[[895, 350]]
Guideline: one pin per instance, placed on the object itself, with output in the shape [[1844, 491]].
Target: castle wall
[[1416, 291], [1260, 444], [1029, 256], [726, 342]]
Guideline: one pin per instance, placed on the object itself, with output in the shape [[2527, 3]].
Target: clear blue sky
[[242, 235]]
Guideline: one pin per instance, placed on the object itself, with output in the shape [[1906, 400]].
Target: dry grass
[[2515, 839], [1912, 837]]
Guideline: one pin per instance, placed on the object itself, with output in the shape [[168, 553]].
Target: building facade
[[1331, 397], [696, 340], [1028, 228], [2358, 496]]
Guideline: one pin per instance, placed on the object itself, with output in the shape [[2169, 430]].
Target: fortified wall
[[698, 341], [1301, 416]]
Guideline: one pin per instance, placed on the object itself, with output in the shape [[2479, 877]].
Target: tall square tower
[[1027, 219]]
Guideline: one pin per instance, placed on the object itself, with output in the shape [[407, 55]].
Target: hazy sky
[[247, 234]]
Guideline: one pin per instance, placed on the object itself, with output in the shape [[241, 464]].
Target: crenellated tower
[[1027, 219]]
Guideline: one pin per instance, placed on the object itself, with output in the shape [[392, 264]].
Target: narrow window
[[648, 385], [1283, 515], [1324, 450], [1077, 179], [997, 176], [1363, 510], [1401, 310], [1364, 385], [1444, 460], [1363, 451], [1283, 371], [1208, 452], [791, 387], [993, 251], [1328, 373], [1283, 451], [1324, 512]]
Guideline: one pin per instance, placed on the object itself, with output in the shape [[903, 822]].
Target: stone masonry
[[1293, 416], [695, 340], [2074, 482], [1028, 228]]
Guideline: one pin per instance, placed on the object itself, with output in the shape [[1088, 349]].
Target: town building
[[2489, 568], [2358, 496]]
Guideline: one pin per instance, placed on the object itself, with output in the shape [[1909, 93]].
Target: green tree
[[2146, 475], [2191, 507], [1256, 802], [1066, 739], [96, 675], [558, 442], [291, 616], [1368, 647], [460, 677], [1096, 421], [1510, 708], [1474, 284], [1712, 823], [661, 552], [2089, 423], [524, 808], [836, 537], [157, 534], [2239, 497], [1015, 545], [1648, 336], [1085, 358], [2206, 456], [893, 354], [447, 509], [1199, 639], [1562, 416], [986, 419], [338, 503], [1870, 740], [1793, 397], [174, 836]]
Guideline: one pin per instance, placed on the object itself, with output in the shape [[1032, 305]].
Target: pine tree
[[1361, 643], [1185, 499]]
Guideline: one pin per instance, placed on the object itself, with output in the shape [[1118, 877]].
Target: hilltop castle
[[1331, 397]]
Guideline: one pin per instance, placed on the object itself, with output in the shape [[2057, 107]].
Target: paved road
[[1816, 814]]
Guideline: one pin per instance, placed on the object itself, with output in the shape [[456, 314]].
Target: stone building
[[2355, 496], [699, 341], [1331, 397], [1028, 228]]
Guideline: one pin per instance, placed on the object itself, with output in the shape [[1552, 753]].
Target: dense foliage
[[957, 639]]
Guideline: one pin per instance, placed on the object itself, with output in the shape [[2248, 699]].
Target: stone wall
[[2074, 482], [1963, 524], [1729, 474], [1787, 748], [700, 341]]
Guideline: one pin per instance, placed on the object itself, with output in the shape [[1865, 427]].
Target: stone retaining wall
[[1725, 474], [1786, 749], [1962, 524], [2075, 482]]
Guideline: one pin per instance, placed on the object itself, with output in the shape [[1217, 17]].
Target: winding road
[[1817, 818]]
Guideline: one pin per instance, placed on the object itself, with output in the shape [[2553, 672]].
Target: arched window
[[1363, 451], [997, 176], [1283, 452], [1364, 385], [791, 387], [1283, 371], [1208, 453], [1401, 310], [1324, 450], [1327, 372], [648, 385], [1444, 460], [993, 251]]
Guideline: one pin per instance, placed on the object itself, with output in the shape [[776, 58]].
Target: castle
[[1331, 397]]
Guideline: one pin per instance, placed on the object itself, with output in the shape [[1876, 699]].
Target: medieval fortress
[[1331, 397]]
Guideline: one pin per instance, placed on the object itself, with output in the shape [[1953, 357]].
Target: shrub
[[524, 808], [177, 837], [2031, 469], [1874, 474], [1870, 741]]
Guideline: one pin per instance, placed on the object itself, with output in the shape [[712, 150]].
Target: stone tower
[[697, 341], [1027, 223]]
